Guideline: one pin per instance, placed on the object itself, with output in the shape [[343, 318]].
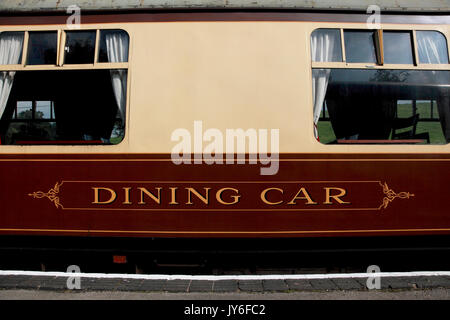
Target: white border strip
[[225, 277]]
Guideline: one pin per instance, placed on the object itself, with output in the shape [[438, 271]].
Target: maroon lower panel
[[148, 195]]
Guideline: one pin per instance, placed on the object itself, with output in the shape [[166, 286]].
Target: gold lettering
[[328, 195], [127, 196], [173, 193], [235, 197], [306, 196], [151, 195], [97, 195], [204, 199], [264, 199]]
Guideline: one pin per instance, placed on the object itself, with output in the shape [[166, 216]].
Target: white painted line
[[226, 277]]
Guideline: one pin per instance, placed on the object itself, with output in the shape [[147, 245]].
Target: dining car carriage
[[230, 120]]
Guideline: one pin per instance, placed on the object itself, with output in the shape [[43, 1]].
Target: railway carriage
[[231, 121]]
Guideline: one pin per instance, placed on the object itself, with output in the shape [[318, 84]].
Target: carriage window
[[385, 106], [80, 47], [13, 40], [31, 119], [61, 104], [23, 110], [45, 109], [326, 45], [397, 47], [34, 109], [112, 46], [42, 48], [67, 107], [360, 46], [377, 103], [432, 47]]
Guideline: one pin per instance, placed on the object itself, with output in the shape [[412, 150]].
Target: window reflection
[[397, 46], [43, 109], [386, 106], [432, 47], [42, 48], [360, 46], [80, 47]]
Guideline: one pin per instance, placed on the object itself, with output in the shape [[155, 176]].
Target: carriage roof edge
[[406, 6]]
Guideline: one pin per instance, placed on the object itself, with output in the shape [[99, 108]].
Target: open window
[[378, 103], [61, 107], [42, 48], [360, 46], [398, 47], [386, 106], [80, 47], [62, 92]]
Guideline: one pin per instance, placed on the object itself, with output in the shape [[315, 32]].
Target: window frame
[[60, 65], [379, 53], [33, 112], [380, 62], [62, 56]]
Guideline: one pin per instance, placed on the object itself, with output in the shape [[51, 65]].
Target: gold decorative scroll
[[391, 195], [52, 195]]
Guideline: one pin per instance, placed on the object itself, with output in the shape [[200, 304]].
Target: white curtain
[[10, 53], [117, 44], [432, 47], [320, 84], [325, 47]]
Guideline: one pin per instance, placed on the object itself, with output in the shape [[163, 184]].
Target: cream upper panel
[[229, 75]]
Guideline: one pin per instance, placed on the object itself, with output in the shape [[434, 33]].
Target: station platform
[[133, 283]]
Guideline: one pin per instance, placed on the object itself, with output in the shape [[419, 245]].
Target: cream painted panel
[[228, 75]]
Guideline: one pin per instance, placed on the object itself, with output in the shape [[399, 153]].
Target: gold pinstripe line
[[169, 160], [232, 232]]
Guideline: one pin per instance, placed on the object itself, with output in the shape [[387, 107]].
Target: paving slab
[[391, 283], [57, 283], [129, 284], [323, 284], [362, 282], [347, 284], [225, 286], [153, 285], [99, 284], [201, 286], [299, 285], [439, 282], [177, 285], [250, 285], [275, 285], [12, 282], [35, 282]]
